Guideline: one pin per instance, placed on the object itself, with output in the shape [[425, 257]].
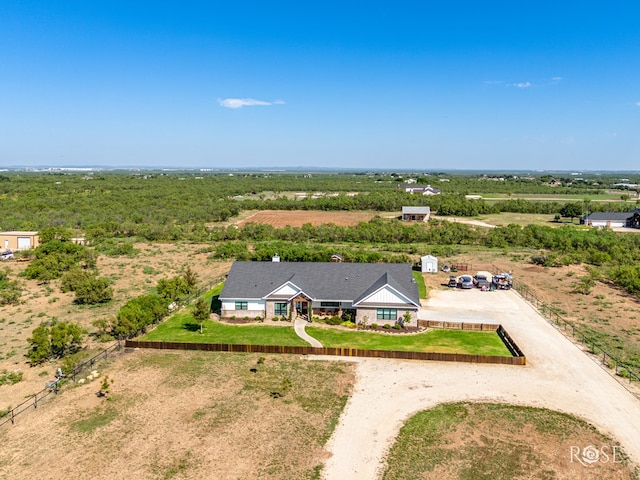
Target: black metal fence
[[52, 388]]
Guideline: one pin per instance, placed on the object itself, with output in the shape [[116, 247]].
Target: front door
[[302, 308]]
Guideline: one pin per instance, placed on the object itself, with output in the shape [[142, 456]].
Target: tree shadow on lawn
[[192, 327]]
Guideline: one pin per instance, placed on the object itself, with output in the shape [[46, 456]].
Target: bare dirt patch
[[184, 415], [297, 218]]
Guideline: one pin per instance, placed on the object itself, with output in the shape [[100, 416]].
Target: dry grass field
[[184, 415], [297, 218]]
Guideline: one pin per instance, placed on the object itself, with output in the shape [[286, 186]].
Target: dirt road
[[558, 376]]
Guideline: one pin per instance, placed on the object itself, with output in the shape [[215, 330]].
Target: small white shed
[[429, 264]]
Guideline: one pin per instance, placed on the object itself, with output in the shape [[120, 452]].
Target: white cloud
[[245, 102], [522, 84]]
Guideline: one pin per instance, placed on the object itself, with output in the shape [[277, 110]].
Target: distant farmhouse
[[613, 219], [13, 241], [381, 292], [424, 190], [416, 214]]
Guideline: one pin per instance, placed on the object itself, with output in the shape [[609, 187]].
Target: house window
[[280, 309], [387, 314], [330, 304], [242, 305]]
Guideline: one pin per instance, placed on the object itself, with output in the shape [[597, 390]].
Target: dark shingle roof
[[613, 216], [321, 281]]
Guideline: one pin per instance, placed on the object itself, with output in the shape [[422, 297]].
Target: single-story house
[[423, 189], [418, 214], [429, 264], [18, 240], [613, 219], [372, 292]]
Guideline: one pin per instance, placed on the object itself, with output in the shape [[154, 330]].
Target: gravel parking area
[[558, 376]]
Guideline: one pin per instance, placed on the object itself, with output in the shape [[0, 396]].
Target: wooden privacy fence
[[478, 327], [334, 351]]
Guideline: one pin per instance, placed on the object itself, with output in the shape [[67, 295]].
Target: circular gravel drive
[[558, 376]]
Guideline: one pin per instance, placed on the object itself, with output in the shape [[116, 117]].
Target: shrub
[[275, 319], [348, 324], [374, 326], [61, 339], [138, 313], [10, 378], [397, 326], [387, 326], [258, 318], [94, 290], [335, 320]]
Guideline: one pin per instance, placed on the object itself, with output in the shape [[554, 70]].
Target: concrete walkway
[[298, 326]]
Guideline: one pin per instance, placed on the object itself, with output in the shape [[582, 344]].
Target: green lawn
[[182, 327], [440, 341], [422, 289]]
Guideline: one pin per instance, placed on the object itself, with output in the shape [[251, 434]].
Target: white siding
[[429, 264], [251, 305], [286, 290], [385, 296]]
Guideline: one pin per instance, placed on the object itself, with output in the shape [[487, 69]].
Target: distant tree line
[[181, 206]]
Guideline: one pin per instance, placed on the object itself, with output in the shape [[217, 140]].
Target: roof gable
[[385, 290]]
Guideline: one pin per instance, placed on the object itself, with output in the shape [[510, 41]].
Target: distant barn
[[416, 214]]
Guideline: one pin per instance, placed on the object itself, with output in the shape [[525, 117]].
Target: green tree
[[173, 288], [66, 338], [571, 210], [190, 277], [39, 345], [138, 313], [94, 290], [201, 311]]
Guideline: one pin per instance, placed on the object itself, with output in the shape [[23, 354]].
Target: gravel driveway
[[558, 376]]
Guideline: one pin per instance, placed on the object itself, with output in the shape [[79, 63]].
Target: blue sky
[[392, 85]]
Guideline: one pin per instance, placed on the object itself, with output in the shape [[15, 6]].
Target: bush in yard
[[335, 320], [9, 290], [39, 345], [374, 326], [61, 339], [138, 313], [173, 288], [94, 290], [74, 277], [386, 326]]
